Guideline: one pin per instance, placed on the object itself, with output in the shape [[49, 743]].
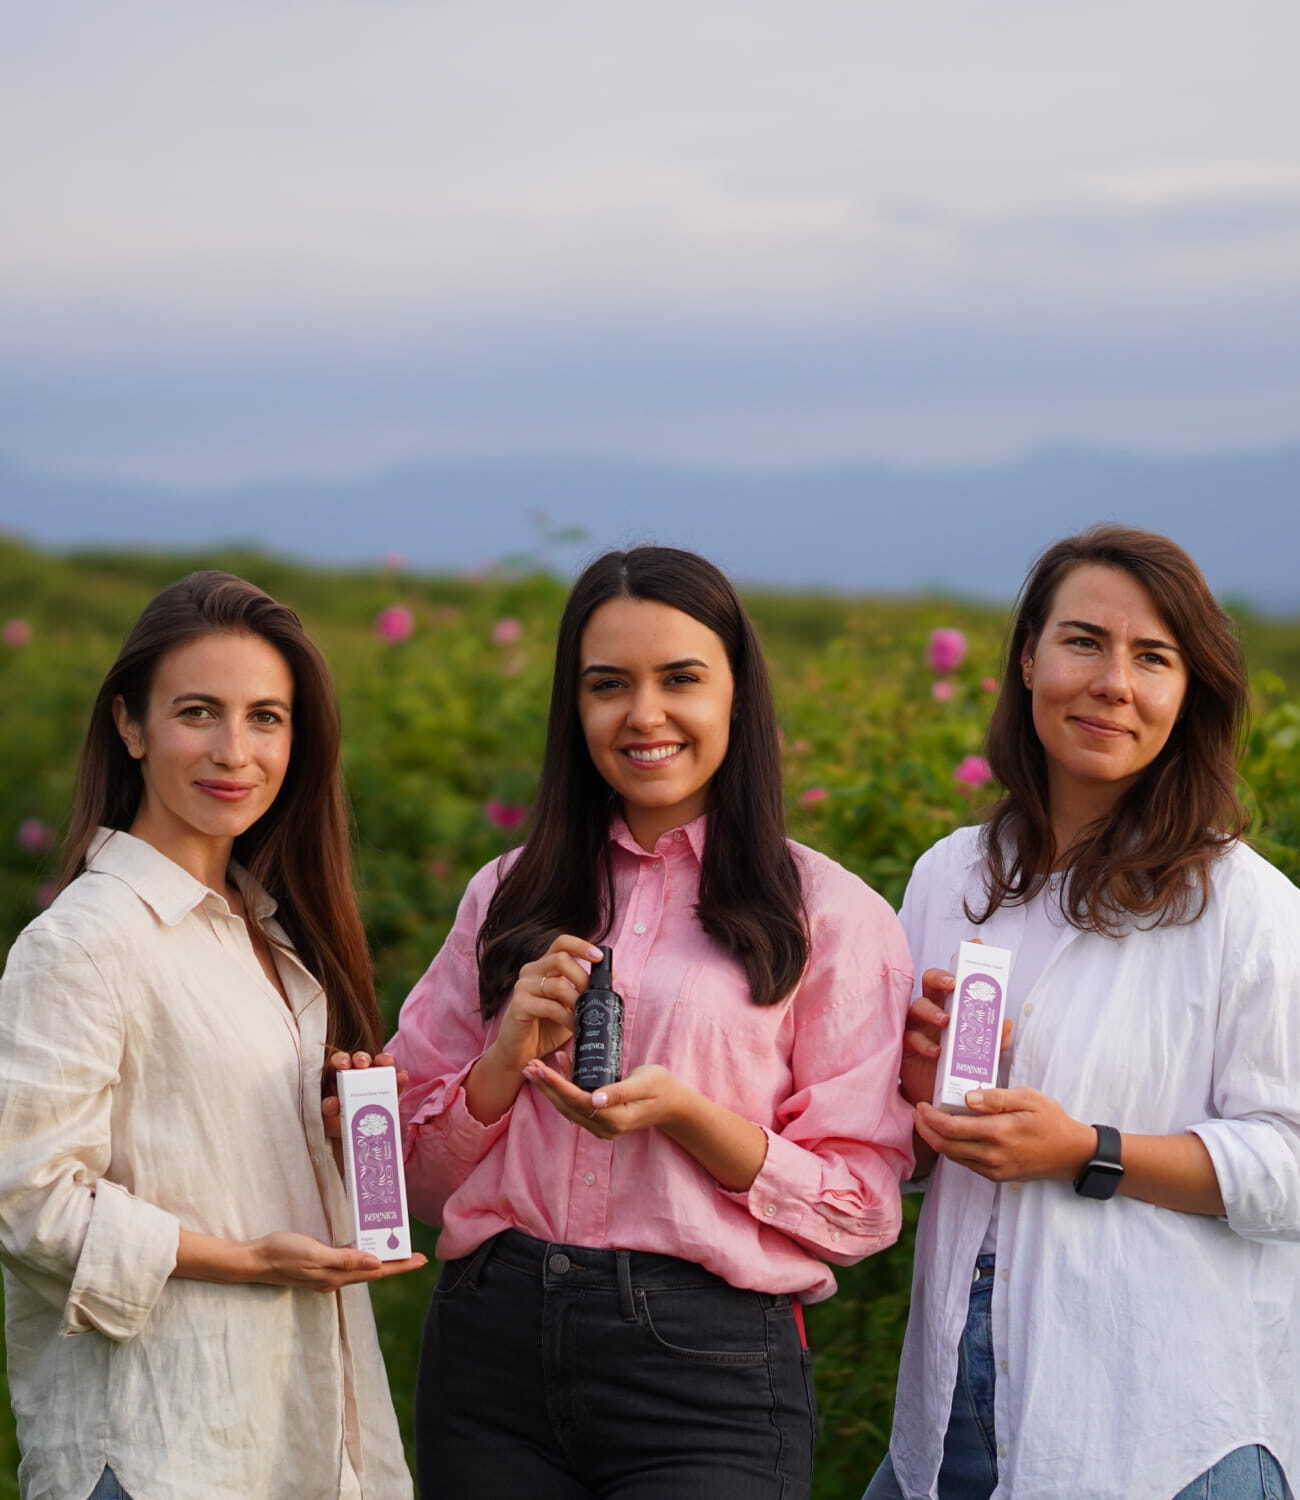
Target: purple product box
[[372, 1162], [972, 1043]]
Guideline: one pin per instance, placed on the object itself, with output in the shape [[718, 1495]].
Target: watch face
[[1099, 1179]]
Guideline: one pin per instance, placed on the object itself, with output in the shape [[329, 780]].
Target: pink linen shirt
[[818, 1071]]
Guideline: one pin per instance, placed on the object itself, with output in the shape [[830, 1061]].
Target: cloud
[[292, 234]]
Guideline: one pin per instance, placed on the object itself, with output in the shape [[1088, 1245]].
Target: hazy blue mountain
[[860, 526]]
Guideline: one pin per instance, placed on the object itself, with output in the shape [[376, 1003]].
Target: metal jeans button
[[559, 1263]]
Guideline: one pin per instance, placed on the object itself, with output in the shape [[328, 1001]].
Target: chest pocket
[[735, 1052]]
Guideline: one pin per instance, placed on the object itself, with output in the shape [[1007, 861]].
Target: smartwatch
[[1100, 1177]]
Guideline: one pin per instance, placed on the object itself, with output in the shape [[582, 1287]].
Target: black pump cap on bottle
[[602, 973]]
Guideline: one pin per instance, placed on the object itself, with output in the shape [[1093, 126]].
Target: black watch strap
[[1101, 1176]]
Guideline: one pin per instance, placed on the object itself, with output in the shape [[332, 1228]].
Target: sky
[[249, 238]]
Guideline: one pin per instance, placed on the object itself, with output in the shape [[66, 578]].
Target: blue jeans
[[559, 1372], [108, 1488], [969, 1470]]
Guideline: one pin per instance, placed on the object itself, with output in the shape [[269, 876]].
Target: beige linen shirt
[[152, 1079]]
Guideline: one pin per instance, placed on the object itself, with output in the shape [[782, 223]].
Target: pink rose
[[942, 690], [394, 624], [504, 814], [394, 562], [507, 631], [17, 633], [34, 836], [989, 684], [814, 795], [947, 650], [973, 771]]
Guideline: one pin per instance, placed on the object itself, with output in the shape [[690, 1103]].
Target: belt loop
[[626, 1302], [481, 1257]]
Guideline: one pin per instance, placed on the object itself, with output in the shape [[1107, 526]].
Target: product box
[[972, 1041], [372, 1162]]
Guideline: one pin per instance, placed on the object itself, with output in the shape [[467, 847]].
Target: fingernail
[[600, 1099], [595, 954], [974, 1097]]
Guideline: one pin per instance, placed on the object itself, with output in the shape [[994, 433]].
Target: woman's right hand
[[281, 1259], [926, 1018], [540, 1014], [297, 1260]]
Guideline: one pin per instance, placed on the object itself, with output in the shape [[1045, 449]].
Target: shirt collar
[[692, 835], [170, 892]]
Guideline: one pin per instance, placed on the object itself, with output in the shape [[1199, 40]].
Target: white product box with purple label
[[972, 1041], [372, 1162]]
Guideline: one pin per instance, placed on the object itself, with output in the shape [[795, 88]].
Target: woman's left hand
[[1013, 1135], [649, 1095]]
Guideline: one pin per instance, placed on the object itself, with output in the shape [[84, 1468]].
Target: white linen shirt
[[1134, 1346], [152, 1078]]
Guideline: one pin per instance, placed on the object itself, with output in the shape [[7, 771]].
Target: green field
[[449, 721]]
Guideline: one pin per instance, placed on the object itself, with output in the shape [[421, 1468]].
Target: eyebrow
[[668, 666], [217, 702], [1147, 643]]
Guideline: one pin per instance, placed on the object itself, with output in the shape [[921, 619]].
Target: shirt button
[[639, 929], [770, 1211], [679, 835], [1003, 1366], [1027, 1009], [559, 1263], [589, 1178], [835, 1234], [1005, 1275], [1002, 1450]]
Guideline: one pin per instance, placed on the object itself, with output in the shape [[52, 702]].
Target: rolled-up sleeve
[[1255, 1142], [82, 1242], [842, 1139], [440, 1037]]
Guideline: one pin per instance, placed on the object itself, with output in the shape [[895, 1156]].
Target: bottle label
[[598, 1051]]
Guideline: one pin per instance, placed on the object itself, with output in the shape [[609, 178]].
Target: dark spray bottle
[[598, 1050]]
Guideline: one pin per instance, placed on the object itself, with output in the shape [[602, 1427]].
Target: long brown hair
[[300, 848], [751, 899], [1150, 857]]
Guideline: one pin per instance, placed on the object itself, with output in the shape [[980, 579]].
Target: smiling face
[[1108, 681], [654, 697], [213, 748]]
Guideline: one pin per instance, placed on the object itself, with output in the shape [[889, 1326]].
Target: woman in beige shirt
[[169, 1205]]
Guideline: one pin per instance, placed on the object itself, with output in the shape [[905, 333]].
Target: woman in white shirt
[[1106, 1295], [169, 1205]]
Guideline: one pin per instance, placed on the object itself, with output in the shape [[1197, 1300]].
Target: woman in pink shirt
[[619, 1315]]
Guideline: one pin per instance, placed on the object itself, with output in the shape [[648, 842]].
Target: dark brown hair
[[1150, 857], [751, 900], [299, 849]]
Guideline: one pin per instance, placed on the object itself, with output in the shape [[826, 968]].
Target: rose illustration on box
[[974, 1051], [372, 1159]]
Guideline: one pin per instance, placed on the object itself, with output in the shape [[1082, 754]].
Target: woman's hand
[[1015, 1135], [540, 1014], [281, 1259], [926, 1019], [649, 1095], [297, 1260], [538, 1019], [338, 1062], [729, 1147]]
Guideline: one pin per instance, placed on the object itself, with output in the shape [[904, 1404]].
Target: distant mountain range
[[869, 527]]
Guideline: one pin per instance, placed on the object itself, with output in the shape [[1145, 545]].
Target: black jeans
[[561, 1373]]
